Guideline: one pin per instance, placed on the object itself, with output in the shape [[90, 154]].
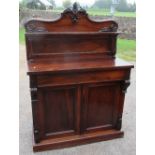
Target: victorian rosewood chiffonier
[[77, 84]]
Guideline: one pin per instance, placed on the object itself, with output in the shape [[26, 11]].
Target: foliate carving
[[119, 123], [111, 28], [35, 26], [125, 85], [74, 12]]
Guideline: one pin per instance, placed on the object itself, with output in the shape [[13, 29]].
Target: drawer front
[[80, 78]]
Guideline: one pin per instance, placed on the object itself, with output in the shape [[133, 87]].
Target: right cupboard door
[[100, 106]]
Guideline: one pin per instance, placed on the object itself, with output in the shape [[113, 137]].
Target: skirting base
[[56, 143]]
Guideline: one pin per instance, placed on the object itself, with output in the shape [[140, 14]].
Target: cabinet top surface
[[50, 66]]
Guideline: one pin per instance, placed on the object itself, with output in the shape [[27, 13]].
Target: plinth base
[[74, 140]]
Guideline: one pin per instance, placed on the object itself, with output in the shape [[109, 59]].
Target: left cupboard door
[[55, 112]]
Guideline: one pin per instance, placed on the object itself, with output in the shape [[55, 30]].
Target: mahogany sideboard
[[77, 84]]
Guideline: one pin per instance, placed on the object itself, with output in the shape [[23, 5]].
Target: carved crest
[[74, 12], [75, 15]]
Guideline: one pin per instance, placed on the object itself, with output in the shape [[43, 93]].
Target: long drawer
[[83, 77]]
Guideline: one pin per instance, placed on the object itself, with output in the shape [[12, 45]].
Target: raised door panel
[[57, 111], [100, 104]]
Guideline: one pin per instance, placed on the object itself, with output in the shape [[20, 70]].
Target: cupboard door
[[56, 110], [100, 104]]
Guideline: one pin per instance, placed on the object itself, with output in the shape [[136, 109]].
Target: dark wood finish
[[58, 102], [77, 85], [100, 106], [74, 140], [48, 44], [75, 65], [71, 20]]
